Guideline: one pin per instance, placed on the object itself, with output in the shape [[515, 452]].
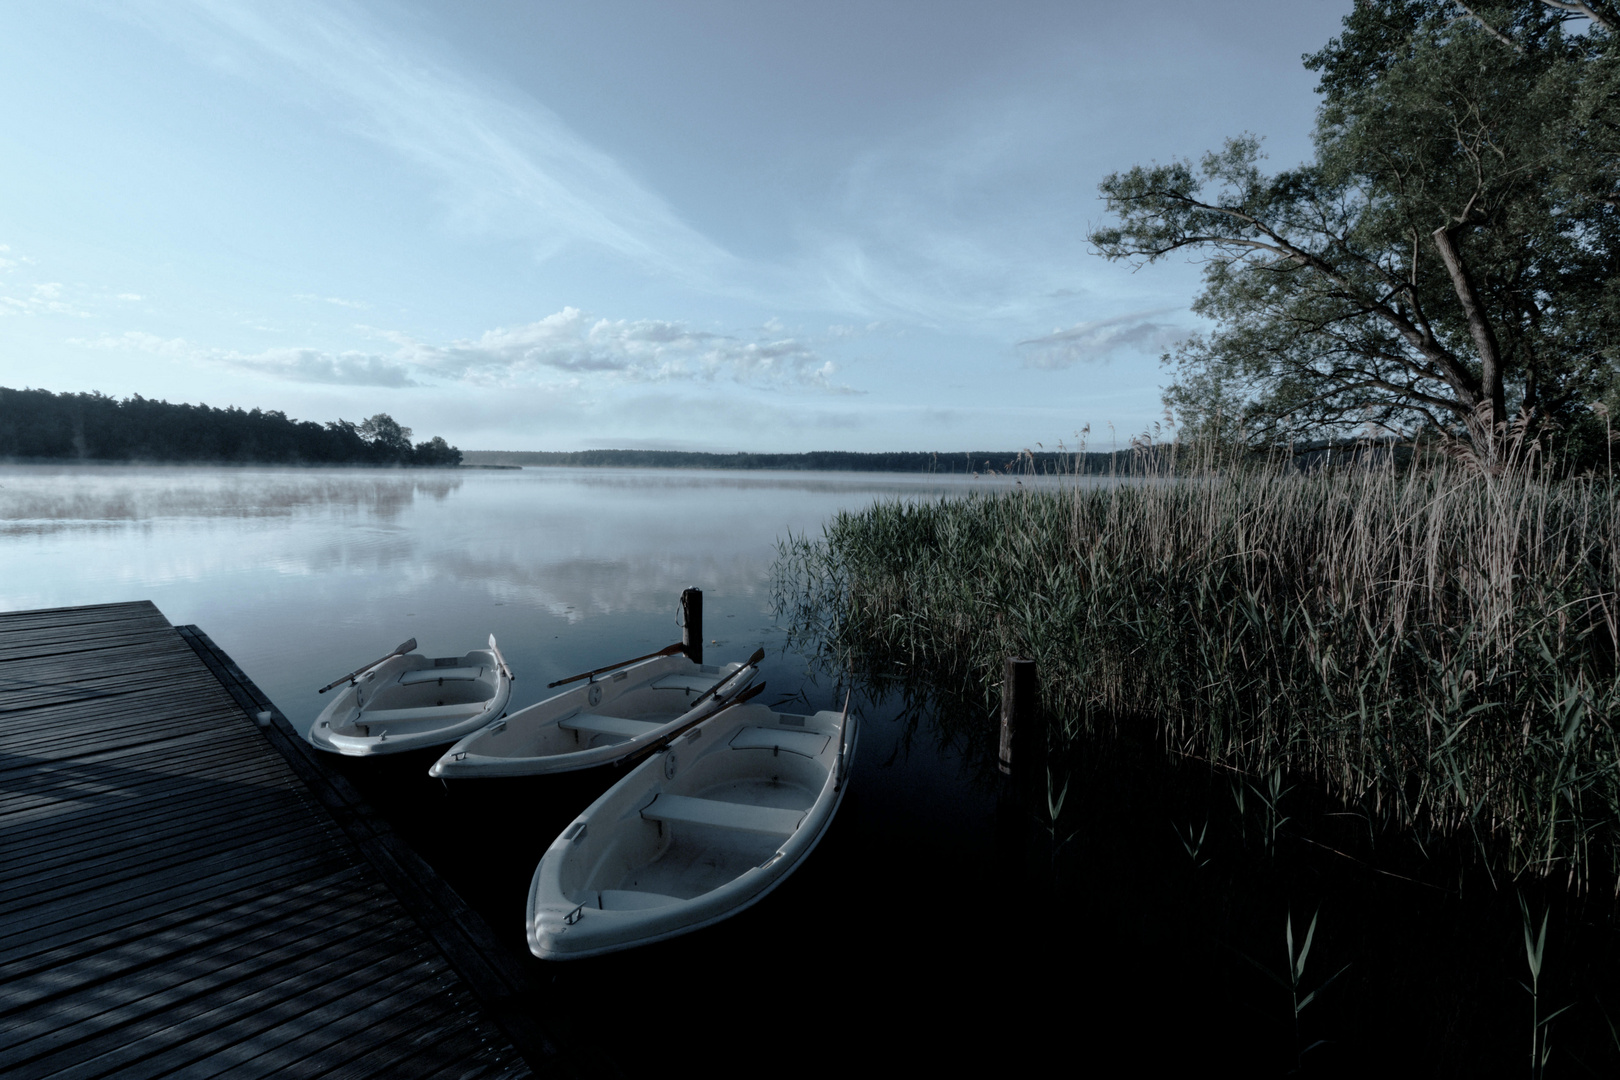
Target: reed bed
[[1434, 645]]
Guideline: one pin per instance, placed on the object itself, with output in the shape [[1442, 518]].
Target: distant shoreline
[[960, 462]]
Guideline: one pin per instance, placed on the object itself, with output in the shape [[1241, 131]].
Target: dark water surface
[[899, 931], [933, 929]]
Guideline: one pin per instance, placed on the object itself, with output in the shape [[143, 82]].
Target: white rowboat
[[599, 722], [407, 701], [695, 834]]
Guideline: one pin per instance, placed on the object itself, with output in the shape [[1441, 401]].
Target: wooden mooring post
[[1022, 763], [692, 624], [1021, 729]]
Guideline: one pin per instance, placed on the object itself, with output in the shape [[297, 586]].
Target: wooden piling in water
[[1021, 731], [692, 623]]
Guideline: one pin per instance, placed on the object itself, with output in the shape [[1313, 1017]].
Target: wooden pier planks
[[185, 891]]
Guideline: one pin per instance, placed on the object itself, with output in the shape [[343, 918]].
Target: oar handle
[[669, 650], [501, 660], [843, 734], [759, 654], [403, 647]]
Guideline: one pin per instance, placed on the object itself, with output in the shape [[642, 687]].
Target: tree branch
[[1604, 18], [1491, 30]]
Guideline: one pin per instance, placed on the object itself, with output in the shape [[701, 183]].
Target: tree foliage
[[37, 424], [1447, 260]]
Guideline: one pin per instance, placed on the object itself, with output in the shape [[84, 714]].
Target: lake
[[934, 922], [302, 575]]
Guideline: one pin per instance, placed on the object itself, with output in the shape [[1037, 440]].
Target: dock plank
[[184, 891]]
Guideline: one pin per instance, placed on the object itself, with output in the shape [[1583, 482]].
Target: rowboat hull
[[413, 702], [695, 834], [595, 723]]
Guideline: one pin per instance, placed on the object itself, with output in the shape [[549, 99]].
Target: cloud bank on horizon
[[849, 223]]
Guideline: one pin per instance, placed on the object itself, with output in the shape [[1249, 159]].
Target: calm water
[[303, 574], [912, 929]]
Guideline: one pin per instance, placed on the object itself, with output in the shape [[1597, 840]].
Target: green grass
[[1435, 646]]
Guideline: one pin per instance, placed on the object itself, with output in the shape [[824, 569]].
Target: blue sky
[[697, 225]]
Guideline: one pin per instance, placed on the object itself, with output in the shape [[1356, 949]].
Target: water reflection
[[296, 572], [45, 498]]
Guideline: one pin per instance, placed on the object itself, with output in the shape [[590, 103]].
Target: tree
[[388, 439], [1447, 261], [436, 452]]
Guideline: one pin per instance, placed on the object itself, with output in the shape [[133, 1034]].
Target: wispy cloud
[[140, 341], [11, 259], [45, 298], [349, 368], [336, 301], [316, 366], [629, 350], [508, 165], [1093, 342]]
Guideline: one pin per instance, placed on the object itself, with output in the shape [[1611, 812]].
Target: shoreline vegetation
[[1435, 647], [41, 426], [1382, 693]]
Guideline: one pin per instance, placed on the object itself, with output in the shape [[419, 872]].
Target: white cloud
[[42, 299], [1094, 342], [295, 365], [337, 301], [140, 341], [628, 350], [841, 330], [10, 259], [316, 366], [570, 343]]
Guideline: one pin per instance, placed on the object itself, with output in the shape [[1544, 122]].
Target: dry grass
[[1435, 645]]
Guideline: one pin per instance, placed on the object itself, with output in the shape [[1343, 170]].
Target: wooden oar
[[670, 650], [759, 654], [663, 744], [404, 647], [843, 732], [501, 660]]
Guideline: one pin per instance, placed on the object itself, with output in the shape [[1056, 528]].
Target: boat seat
[[682, 809], [437, 714], [444, 674], [597, 724], [808, 743], [632, 900]]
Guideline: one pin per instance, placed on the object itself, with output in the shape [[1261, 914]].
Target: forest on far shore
[[38, 425], [965, 462]]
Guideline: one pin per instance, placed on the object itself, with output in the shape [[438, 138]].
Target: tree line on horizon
[[980, 462], [39, 425]]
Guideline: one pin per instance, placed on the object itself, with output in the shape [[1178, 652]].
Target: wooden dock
[[185, 889]]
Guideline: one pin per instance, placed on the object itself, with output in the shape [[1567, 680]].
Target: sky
[[700, 225]]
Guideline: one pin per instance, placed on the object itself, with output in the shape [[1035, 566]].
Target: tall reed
[[1437, 644]]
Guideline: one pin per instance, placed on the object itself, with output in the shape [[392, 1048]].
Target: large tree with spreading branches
[[1447, 262]]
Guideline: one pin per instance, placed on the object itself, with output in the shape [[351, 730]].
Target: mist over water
[[302, 574]]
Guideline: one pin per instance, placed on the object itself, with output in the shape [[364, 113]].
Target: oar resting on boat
[[601, 721], [699, 831]]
